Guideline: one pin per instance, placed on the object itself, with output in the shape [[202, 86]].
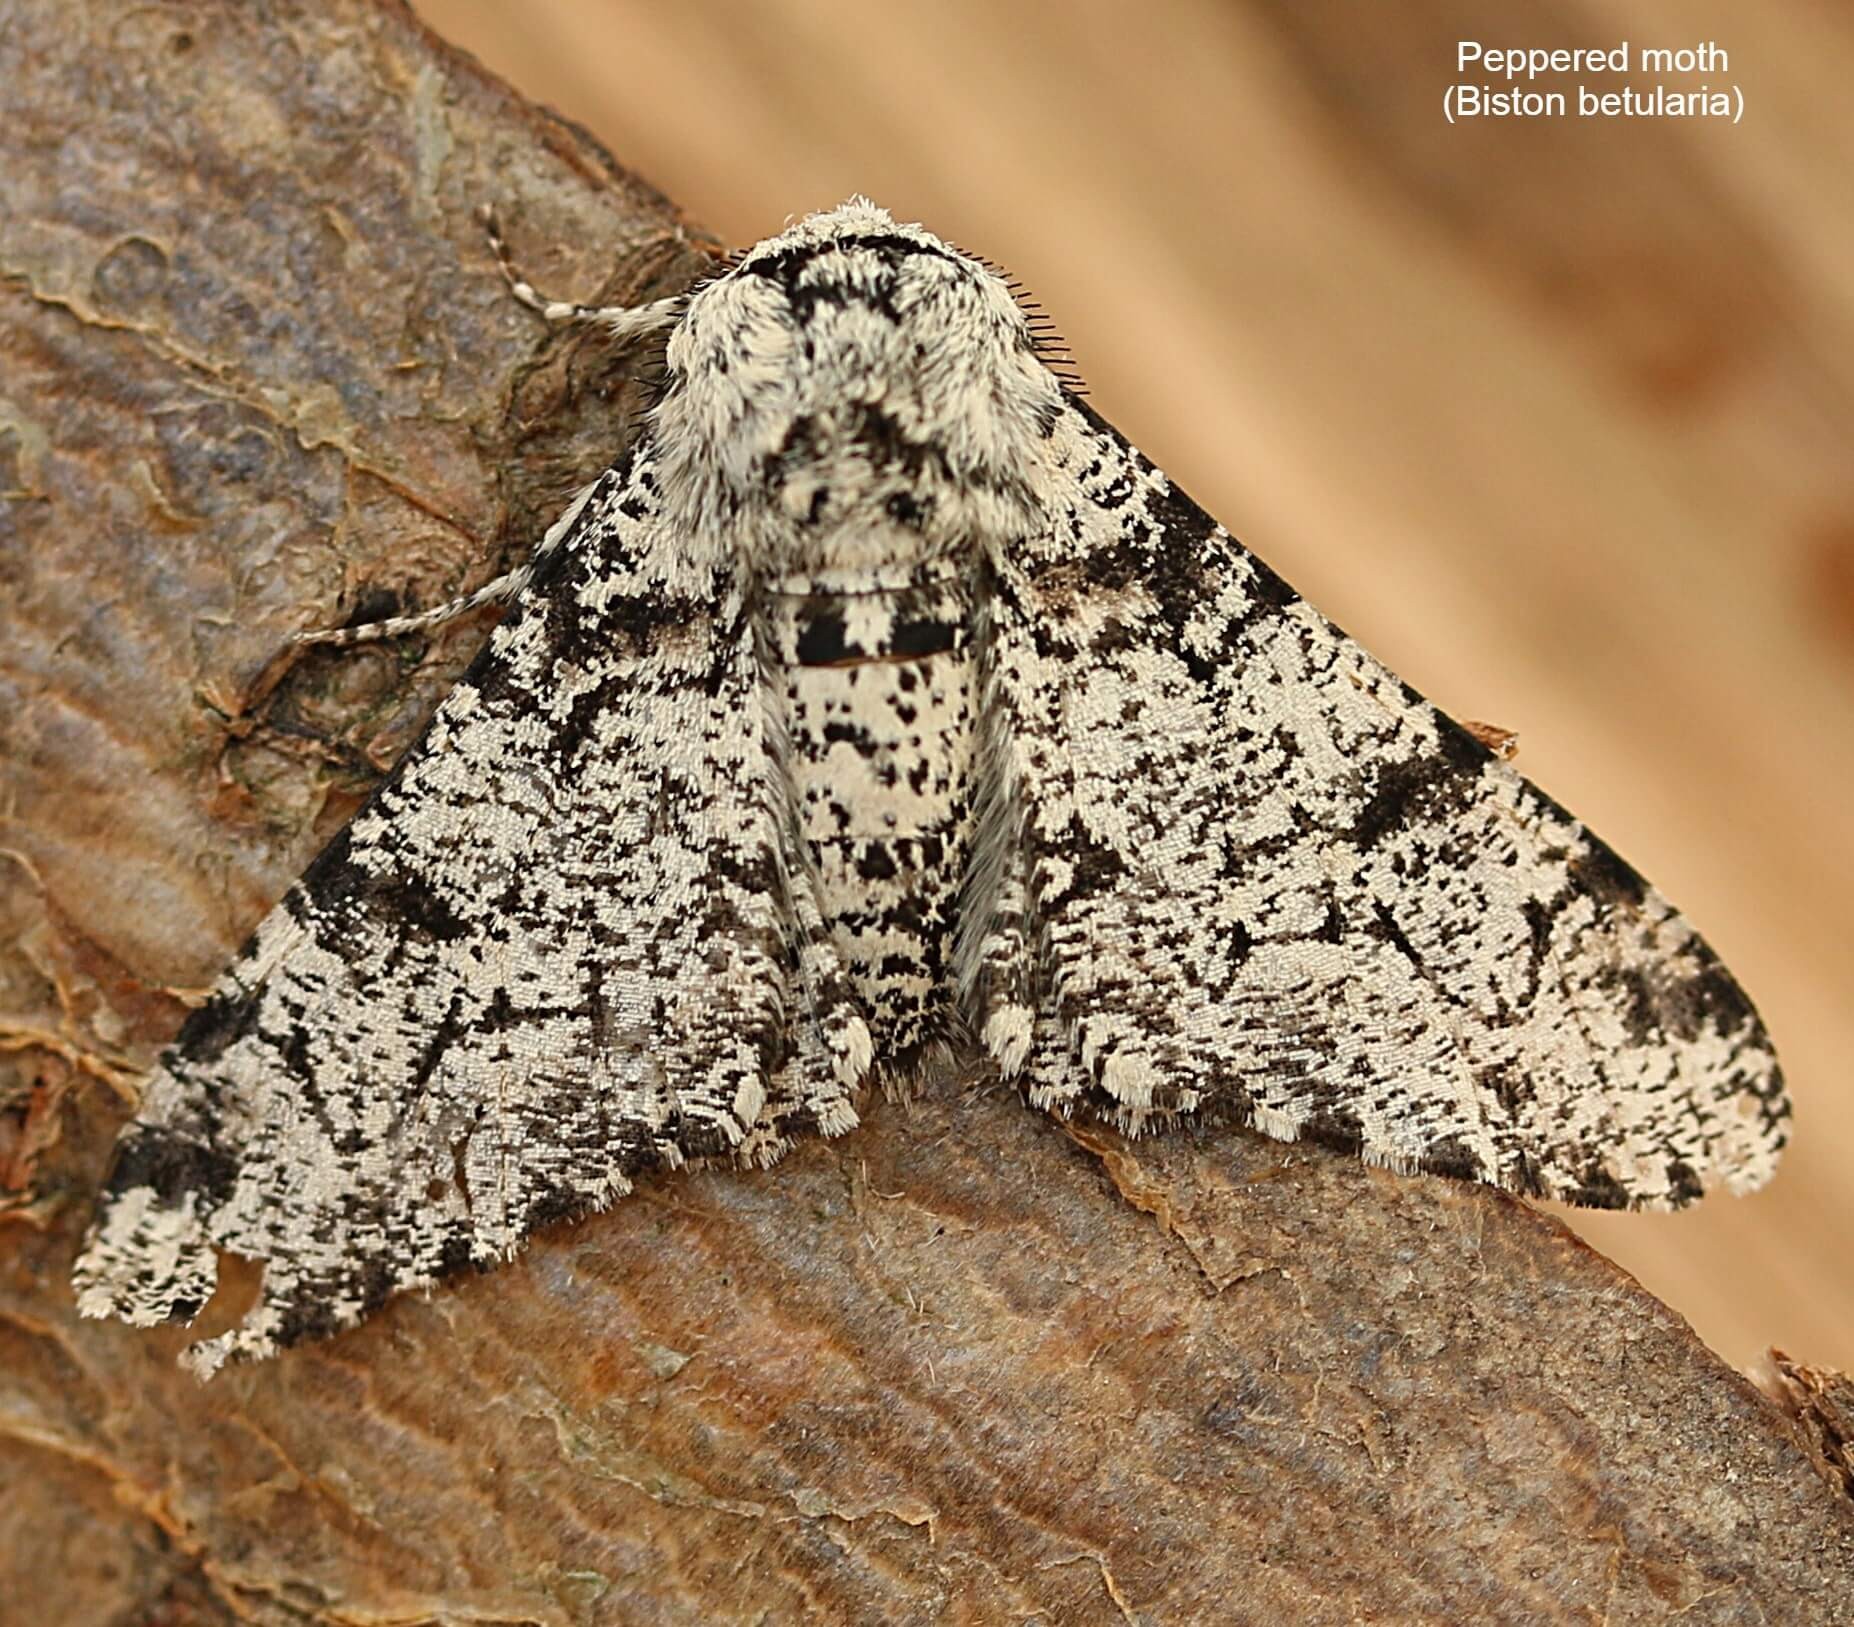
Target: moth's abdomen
[[879, 688]]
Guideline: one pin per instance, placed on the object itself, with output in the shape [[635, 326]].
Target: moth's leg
[[503, 588], [1503, 743], [623, 321], [500, 591]]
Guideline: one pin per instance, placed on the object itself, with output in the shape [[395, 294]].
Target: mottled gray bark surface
[[960, 1366]]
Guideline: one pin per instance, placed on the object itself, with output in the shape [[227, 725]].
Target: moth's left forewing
[[565, 944], [1264, 878]]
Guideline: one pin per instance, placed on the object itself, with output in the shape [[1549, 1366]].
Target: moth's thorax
[[855, 393]]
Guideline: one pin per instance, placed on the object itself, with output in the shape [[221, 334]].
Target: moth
[[884, 698]]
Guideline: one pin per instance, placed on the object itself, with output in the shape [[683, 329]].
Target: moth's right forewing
[[1264, 878]]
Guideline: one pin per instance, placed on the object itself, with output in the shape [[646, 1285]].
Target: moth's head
[[854, 392]]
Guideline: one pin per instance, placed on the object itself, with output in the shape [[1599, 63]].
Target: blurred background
[[1553, 415]]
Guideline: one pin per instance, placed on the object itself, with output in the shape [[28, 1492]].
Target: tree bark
[[964, 1365]]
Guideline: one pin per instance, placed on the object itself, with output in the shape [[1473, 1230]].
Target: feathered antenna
[[1052, 350]]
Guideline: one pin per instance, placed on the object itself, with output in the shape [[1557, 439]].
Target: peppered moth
[[884, 698]]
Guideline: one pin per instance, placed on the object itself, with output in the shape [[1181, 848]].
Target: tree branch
[[261, 374]]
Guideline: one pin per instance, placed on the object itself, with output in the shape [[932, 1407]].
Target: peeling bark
[[961, 1366]]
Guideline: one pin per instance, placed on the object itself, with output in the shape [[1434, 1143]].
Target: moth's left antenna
[[623, 321]]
